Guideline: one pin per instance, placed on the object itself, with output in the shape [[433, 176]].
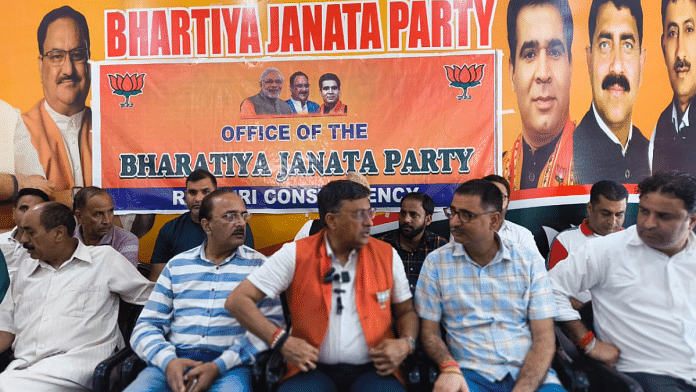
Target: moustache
[[682, 63], [28, 247], [614, 79], [238, 231], [72, 78]]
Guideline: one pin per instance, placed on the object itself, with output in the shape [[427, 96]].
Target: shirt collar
[[65, 122], [81, 253], [299, 103], [329, 252], [240, 252], [502, 254], [12, 234], [610, 134], [106, 239], [585, 228], [679, 125]]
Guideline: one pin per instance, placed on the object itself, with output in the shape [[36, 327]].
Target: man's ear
[[61, 232], [496, 217], [330, 221], [692, 221], [205, 225], [78, 216], [428, 219]]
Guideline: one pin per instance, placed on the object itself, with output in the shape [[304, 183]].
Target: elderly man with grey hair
[[267, 101]]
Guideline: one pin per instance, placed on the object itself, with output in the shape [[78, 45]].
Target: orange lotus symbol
[[464, 77], [127, 86]]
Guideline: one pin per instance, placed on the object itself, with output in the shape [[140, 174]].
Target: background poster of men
[[405, 29]]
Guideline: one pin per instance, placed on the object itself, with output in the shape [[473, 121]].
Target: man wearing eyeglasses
[[185, 232], [493, 298], [345, 290], [299, 95], [60, 124], [267, 101], [330, 86], [184, 332]]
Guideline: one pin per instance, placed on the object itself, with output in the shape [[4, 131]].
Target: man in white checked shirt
[[494, 300], [184, 332]]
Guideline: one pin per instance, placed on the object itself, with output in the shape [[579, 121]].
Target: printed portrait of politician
[[330, 87], [540, 36], [299, 95], [60, 124], [267, 102], [606, 144], [673, 142]]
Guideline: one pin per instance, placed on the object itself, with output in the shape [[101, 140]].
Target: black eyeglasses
[[306, 85], [464, 215], [57, 56]]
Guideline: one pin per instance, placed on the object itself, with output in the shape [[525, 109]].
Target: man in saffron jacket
[[60, 124], [343, 289]]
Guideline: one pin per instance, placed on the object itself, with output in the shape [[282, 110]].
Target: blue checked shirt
[[186, 311], [486, 310]]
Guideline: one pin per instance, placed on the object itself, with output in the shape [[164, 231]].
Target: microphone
[[329, 275]]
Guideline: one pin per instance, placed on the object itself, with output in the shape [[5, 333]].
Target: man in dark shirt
[[185, 232], [606, 144], [672, 143], [411, 240]]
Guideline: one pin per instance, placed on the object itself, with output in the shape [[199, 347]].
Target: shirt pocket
[[83, 300]]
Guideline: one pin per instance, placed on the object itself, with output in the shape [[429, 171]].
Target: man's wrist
[[411, 344]]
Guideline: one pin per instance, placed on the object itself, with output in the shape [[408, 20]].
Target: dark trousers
[[659, 383], [341, 378]]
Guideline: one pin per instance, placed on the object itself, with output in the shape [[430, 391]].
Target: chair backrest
[[127, 316]]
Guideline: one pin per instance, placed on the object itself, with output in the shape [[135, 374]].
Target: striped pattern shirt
[[186, 311], [486, 310]]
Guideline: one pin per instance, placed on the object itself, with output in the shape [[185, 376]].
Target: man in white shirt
[[641, 281], [506, 229], [10, 243], [346, 292], [605, 215], [60, 315]]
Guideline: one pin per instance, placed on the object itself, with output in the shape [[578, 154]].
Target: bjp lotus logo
[[127, 86], [464, 77]]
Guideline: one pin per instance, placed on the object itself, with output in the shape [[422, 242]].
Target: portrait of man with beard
[[267, 101], [606, 144], [411, 240]]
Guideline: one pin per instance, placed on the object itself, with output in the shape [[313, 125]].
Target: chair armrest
[[268, 370], [104, 372], [607, 377], [130, 369]]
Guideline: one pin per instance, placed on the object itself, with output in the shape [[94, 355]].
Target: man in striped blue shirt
[[184, 332]]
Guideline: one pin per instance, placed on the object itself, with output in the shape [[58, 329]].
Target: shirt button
[[217, 268], [213, 289], [207, 311], [41, 346], [203, 336], [53, 294]]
